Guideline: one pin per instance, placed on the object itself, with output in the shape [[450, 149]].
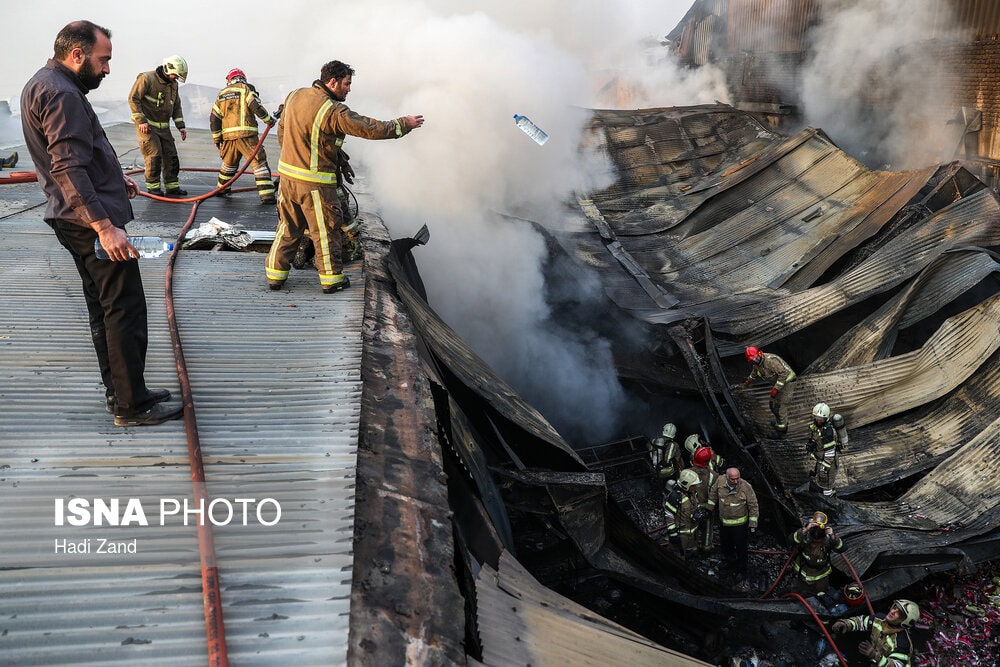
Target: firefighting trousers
[[116, 306], [160, 154], [825, 471], [306, 209], [233, 151], [734, 545], [778, 403]]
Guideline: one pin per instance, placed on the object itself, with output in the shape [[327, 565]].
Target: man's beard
[[88, 76]]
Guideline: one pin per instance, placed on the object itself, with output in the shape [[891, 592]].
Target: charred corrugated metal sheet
[[524, 623]]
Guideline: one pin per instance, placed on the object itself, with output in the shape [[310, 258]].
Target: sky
[[467, 67]]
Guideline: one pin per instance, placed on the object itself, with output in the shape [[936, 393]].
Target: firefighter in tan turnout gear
[[665, 454], [739, 511], [155, 101], [827, 438], [682, 504], [771, 367], [813, 544], [311, 134], [234, 130], [702, 467], [888, 643]]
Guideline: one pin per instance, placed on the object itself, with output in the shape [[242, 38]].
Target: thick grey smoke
[[467, 69], [875, 87]]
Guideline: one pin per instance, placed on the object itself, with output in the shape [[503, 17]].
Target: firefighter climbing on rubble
[[827, 438], [701, 466], [888, 643], [813, 545], [665, 454], [767, 366], [682, 504]]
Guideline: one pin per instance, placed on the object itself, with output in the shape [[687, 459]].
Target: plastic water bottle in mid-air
[[148, 246], [531, 129]]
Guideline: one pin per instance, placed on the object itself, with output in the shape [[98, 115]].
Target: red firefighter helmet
[[702, 456], [234, 73], [752, 353]]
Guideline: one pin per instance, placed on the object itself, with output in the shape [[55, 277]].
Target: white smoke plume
[[467, 68], [875, 87]]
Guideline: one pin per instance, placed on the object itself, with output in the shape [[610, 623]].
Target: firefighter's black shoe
[[275, 286], [268, 201], [177, 192], [158, 396], [157, 414], [342, 285], [225, 194], [155, 191], [9, 162]]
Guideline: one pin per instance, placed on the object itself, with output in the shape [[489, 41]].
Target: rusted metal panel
[[769, 26]]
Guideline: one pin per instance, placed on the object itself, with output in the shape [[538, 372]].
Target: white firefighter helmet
[[669, 431], [692, 443], [909, 611], [821, 411], [176, 65], [687, 479]]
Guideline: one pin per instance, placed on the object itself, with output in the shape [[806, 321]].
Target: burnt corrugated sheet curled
[[715, 216]]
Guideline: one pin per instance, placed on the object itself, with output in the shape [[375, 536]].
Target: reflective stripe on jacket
[[155, 100], [736, 506], [774, 368], [235, 112], [312, 130]]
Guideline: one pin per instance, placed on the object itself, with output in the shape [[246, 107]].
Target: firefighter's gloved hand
[[867, 649], [272, 122], [218, 145], [839, 627], [277, 113], [774, 392], [810, 447]]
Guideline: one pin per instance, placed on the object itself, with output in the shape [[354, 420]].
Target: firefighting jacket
[[813, 559], [707, 477], [154, 99], [312, 129], [892, 643], [736, 506], [774, 368], [825, 440], [235, 112]]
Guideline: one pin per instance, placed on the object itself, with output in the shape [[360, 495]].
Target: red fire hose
[[215, 630], [819, 623]]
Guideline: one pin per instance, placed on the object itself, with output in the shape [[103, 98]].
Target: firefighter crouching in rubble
[[888, 644], [813, 545], [682, 504], [738, 514], [665, 454], [827, 438], [701, 466], [768, 367]]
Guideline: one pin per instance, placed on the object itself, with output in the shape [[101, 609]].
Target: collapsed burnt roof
[[879, 287]]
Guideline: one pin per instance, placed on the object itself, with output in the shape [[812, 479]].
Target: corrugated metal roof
[[276, 384], [277, 388]]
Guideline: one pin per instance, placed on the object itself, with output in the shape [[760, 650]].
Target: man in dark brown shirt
[[88, 199]]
